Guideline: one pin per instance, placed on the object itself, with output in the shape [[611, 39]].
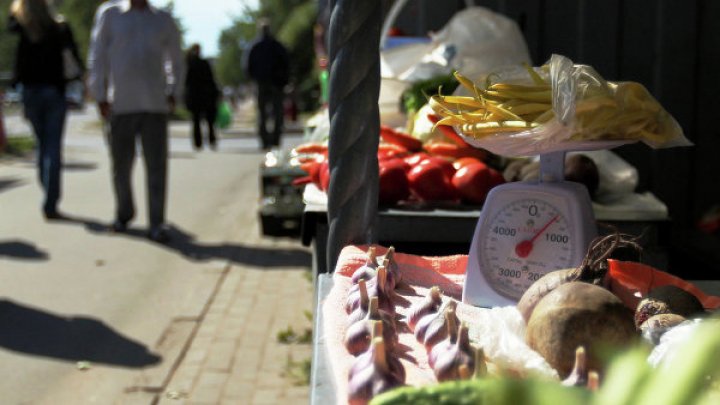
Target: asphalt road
[[91, 317]]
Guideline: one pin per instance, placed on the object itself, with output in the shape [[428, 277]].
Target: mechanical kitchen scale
[[525, 230]]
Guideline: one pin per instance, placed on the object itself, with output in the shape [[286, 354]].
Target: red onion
[[424, 323], [376, 287], [449, 341], [357, 336], [392, 265], [367, 270], [364, 359], [430, 304], [391, 278], [437, 329], [464, 372], [375, 378], [358, 299], [448, 362]]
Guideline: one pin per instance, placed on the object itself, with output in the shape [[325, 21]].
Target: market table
[[322, 389], [442, 230]]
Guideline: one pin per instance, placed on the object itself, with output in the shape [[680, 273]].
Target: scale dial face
[[525, 239]]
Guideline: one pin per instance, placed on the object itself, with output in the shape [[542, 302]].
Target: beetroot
[[579, 314]]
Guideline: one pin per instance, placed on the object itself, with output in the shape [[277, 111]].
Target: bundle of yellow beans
[[602, 110]]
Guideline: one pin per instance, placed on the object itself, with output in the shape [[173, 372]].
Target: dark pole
[[355, 27]]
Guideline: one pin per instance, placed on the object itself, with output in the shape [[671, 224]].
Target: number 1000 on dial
[[524, 240]]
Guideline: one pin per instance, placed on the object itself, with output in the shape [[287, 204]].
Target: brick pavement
[[235, 356]]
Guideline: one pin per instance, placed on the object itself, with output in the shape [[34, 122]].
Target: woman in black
[[201, 96], [40, 70]]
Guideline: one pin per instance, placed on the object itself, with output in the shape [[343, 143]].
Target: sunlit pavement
[[94, 317]]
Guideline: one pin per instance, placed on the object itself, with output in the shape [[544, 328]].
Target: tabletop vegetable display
[[569, 328]]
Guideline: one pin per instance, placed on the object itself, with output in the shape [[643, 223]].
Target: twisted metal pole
[[354, 123]]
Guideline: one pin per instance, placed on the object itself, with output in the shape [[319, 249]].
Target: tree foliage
[[8, 41], [297, 34], [78, 14], [292, 21], [232, 42]]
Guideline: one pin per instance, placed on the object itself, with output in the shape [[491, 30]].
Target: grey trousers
[[153, 132]]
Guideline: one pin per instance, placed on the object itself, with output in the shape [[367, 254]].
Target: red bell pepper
[[454, 151], [389, 135]]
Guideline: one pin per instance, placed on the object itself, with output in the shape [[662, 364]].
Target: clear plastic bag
[[673, 340], [500, 331], [590, 113]]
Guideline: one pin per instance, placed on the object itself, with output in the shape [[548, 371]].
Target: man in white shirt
[[132, 46]]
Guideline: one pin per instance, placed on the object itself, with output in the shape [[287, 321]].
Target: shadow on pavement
[[79, 166], [9, 183], [32, 331], [185, 244], [18, 249]]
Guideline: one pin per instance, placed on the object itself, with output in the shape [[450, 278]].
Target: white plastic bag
[[500, 331], [475, 40], [317, 127], [673, 340], [616, 175]]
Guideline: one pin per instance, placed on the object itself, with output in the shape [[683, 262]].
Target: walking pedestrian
[[201, 96], [267, 64], [135, 64], [40, 70]]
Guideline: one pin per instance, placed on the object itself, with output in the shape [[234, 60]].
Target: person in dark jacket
[[40, 69], [267, 64], [201, 96]]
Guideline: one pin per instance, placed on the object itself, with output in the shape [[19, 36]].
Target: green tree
[[293, 22], [297, 34], [79, 15], [8, 41], [232, 42]]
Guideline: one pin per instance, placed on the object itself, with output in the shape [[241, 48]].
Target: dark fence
[[670, 46]]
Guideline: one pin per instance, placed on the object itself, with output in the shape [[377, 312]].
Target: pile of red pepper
[[439, 171]]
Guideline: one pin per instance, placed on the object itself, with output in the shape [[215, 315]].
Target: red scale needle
[[524, 248]]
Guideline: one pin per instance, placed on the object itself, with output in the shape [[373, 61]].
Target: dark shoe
[[54, 215], [118, 227], [158, 235]]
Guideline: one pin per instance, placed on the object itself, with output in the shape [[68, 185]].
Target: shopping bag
[[224, 115]]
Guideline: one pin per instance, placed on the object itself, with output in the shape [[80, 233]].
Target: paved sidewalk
[[235, 356], [248, 342], [250, 346]]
